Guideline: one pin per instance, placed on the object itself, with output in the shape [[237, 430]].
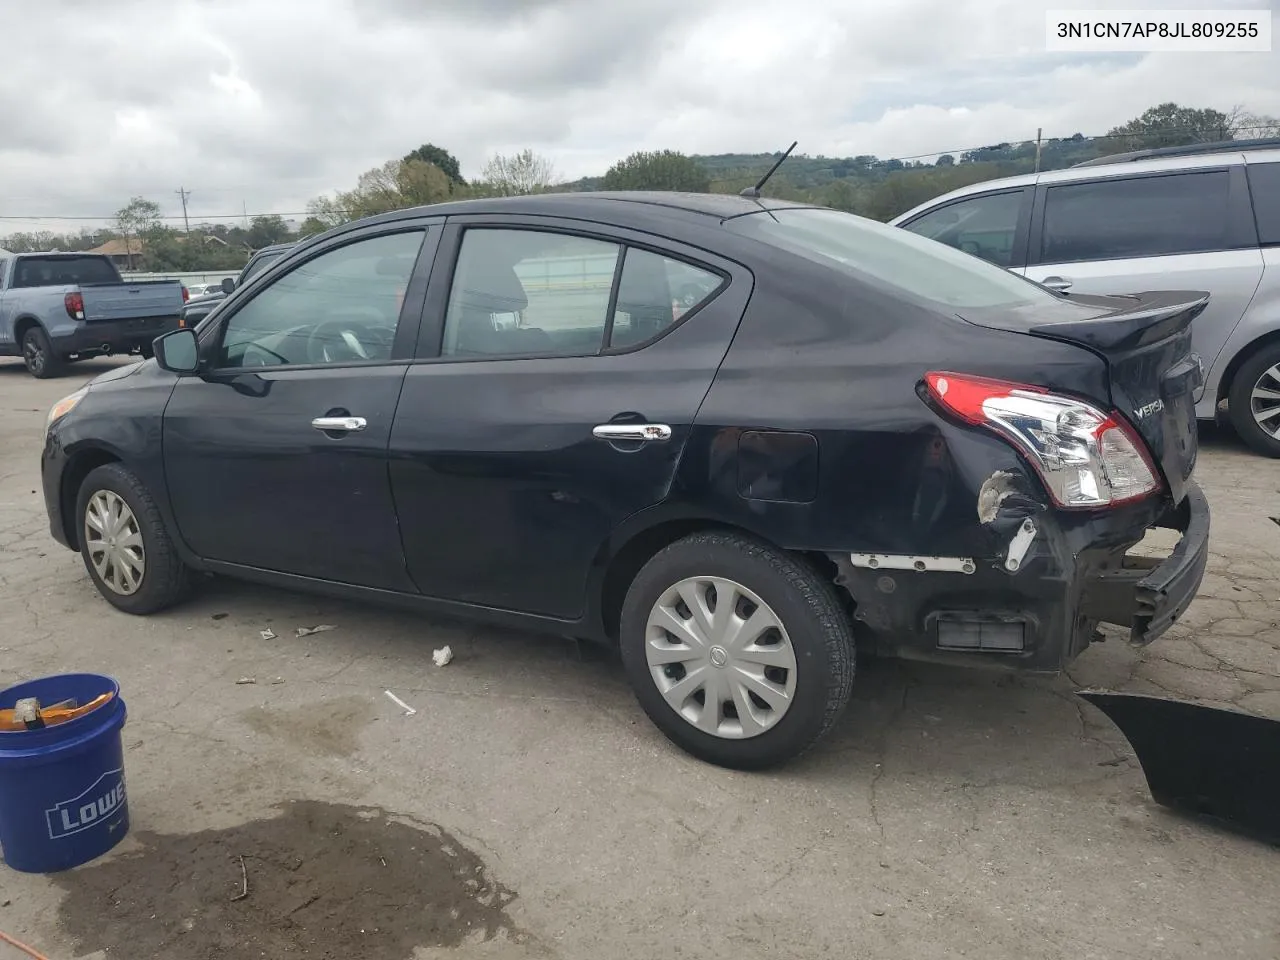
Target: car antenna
[[754, 192]]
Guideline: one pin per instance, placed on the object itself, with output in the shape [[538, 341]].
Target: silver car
[[1205, 217]]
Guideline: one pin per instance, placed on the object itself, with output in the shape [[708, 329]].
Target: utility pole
[[183, 193], [1039, 130], [244, 208]]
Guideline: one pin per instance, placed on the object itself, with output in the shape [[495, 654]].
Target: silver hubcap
[[1265, 402], [721, 657], [114, 542]]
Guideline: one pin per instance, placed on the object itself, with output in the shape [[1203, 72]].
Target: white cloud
[[269, 104]]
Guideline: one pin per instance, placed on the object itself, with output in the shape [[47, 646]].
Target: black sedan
[[730, 435]]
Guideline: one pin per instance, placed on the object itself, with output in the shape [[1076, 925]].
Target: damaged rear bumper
[[1037, 604], [1148, 594]]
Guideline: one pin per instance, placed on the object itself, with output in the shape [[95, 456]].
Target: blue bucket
[[62, 799]]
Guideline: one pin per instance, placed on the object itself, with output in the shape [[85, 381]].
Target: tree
[[658, 170], [266, 230], [521, 173], [138, 218], [393, 186], [440, 157], [946, 160], [1169, 125]]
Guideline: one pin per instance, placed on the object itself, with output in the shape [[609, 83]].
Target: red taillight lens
[[74, 302], [1085, 457], [186, 294]]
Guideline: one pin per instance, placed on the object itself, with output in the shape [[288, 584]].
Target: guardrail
[[209, 276]]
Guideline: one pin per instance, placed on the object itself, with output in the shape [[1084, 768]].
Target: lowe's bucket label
[[92, 807]]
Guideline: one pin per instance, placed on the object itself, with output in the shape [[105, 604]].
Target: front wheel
[[740, 653], [126, 548], [1254, 401]]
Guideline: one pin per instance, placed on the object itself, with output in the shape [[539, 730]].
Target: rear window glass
[[56, 271], [916, 265], [1141, 217], [1264, 184]]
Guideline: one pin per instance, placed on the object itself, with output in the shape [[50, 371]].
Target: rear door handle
[[340, 424], [631, 431], [1056, 283]]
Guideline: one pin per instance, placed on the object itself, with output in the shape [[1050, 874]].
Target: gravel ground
[[950, 814]]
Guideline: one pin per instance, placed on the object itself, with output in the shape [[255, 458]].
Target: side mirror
[[178, 351], [228, 285]]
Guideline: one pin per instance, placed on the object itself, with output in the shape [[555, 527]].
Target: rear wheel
[[1254, 401], [740, 653], [37, 353], [126, 548]]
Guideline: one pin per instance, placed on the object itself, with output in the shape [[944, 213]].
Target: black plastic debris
[[1221, 765]]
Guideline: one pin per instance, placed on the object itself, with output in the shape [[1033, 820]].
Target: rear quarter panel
[[841, 361], [1260, 323]]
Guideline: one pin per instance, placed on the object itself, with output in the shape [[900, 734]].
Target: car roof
[[1122, 165], [617, 207]]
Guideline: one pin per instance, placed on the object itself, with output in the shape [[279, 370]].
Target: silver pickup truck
[[58, 307]]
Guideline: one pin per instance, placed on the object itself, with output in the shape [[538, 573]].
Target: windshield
[[919, 266], [58, 271]]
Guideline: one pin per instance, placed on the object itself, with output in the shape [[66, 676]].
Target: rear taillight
[[74, 302], [1085, 457], [186, 294]]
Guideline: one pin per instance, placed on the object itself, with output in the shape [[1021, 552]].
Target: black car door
[[561, 367], [276, 456]]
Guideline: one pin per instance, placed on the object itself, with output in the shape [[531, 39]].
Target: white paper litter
[[244, 680], [267, 634], [408, 710], [308, 631], [442, 656]]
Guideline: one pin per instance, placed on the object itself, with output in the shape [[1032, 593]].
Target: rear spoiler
[[1154, 317]]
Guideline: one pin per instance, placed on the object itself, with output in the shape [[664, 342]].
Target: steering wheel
[[345, 340]]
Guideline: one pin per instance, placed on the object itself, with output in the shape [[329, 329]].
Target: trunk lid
[[131, 300], [1145, 339]]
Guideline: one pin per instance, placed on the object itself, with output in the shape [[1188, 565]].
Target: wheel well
[[626, 563], [80, 467], [21, 326], [1241, 357]]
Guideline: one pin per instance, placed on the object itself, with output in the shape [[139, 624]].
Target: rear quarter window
[[1264, 186]]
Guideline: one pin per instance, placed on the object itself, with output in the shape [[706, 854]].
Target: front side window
[[529, 293], [982, 226], [1140, 217], [340, 307], [257, 266]]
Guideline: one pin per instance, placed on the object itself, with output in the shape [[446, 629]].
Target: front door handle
[[340, 424], [631, 431], [1056, 283]]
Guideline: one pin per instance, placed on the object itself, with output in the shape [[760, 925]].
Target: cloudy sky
[[263, 104]]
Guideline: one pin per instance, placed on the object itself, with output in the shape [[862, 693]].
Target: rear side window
[[1264, 185], [1140, 217], [529, 293], [59, 271], [983, 226], [654, 293]]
